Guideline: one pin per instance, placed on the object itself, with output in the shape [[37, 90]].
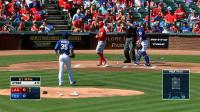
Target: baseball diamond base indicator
[[23, 88], [176, 84]]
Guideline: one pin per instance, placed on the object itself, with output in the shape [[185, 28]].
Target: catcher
[[141, 45], [64, 51]]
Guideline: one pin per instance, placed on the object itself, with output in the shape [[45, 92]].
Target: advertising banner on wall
[[159, 41], [49, 41]]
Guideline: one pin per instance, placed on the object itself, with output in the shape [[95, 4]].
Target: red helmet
[[101, 24]]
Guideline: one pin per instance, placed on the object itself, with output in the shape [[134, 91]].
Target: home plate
[[105, 66], [126, 66], [152, 67], [74, 93], [76, 66]]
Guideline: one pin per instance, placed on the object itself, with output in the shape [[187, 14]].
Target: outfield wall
[[33, 41]]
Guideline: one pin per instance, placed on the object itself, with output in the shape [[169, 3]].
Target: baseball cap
[[89, 20], [42, 26], [65, 35], [169, 8]]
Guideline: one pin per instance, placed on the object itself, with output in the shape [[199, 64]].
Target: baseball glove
[[138, 46]]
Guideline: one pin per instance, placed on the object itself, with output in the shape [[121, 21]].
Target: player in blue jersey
[[64, 50], [142, 40]]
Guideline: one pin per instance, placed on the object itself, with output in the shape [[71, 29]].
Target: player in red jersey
[[101, 38]]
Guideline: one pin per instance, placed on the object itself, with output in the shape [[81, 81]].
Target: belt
[[63, 53]]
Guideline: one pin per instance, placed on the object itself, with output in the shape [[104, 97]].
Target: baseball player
[[64, 50], [143, 42], [101, 37]]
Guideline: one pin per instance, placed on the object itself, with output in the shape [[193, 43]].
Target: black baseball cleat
[[127, 61], [147, 65], [73, 83]]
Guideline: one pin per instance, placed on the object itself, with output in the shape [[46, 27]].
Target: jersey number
[[64, 46]]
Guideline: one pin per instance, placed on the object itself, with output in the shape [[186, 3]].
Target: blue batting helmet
[[65, 35]]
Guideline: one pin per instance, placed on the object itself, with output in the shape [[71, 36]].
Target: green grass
[[149, 82], [7, 60]]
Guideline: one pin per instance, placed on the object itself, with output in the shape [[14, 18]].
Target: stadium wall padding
[[34, 41]]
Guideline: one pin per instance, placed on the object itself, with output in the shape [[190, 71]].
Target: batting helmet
[[65, 35]]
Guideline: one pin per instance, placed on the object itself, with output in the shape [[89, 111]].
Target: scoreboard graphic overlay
[[176, 84], [25, 88]]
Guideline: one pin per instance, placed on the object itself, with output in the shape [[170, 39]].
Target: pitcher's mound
[[66, 92]]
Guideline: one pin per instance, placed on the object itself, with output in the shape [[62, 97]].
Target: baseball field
[[116, 76]]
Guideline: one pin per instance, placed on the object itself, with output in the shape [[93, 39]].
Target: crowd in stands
[[166, 16], [22, 15]]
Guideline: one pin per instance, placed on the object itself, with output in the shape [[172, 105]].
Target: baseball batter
[[64, 50], [101, 37], [142, 40]]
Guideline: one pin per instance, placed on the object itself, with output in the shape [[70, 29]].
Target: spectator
[[67, 5], [174, 28], [185, 28], [42, 29], [29, 3], [5, 29], [156, 28], [103, 8], [130, 16], [193, 17], [16, 17], [152, 17], [110, 15], [119, 15], [110, 4], [166, 30], [158, 11], [198, 3], [88, 15], [21, 27], [95, 25], [25, 12], [120, 27], [188, 2], [37, 13], [138, 3], [77, 16], [88, 27], [170, 17], [87, 4], [99, 16], [78, 25], [9, 27], [180, 13], [47, 27], [196, 28], [34, 28]]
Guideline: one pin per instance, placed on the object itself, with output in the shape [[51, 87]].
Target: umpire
[[130, 42]]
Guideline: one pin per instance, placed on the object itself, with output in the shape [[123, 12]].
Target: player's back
[[64, 46], [141, 33]]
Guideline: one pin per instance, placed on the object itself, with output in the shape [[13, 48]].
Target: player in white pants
[[63, 50], [142, 39]]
